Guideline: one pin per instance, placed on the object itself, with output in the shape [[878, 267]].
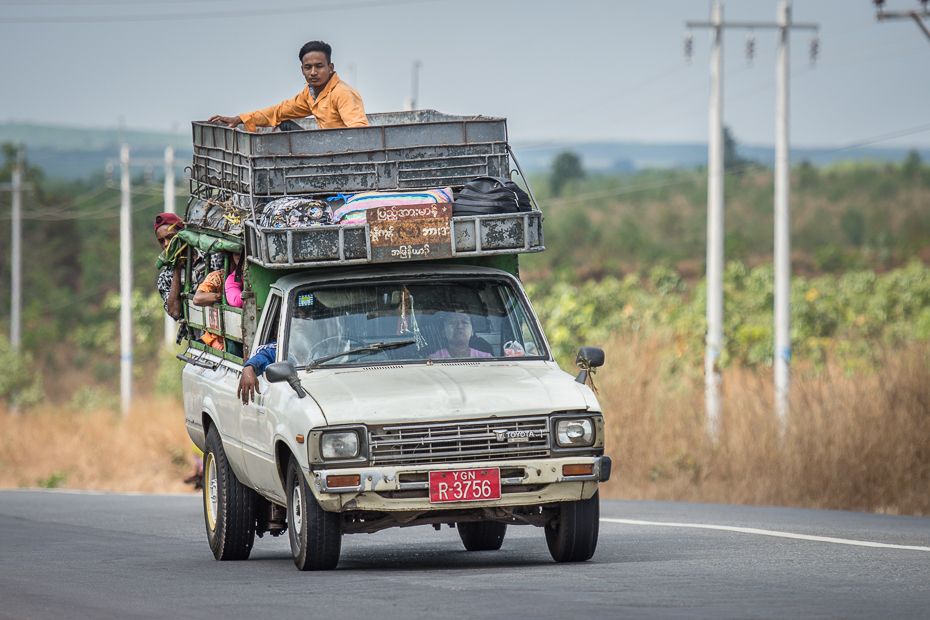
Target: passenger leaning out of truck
[[327, 98], [210, 292], [170, 282], [253, 369], [459, 333]]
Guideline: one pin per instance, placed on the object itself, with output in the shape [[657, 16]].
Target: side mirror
[[587, 360], [590, 357], [284, 371]]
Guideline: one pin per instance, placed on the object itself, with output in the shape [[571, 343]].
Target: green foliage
[[56, 480], [102, 334], [845, 317], [90, 399], [565, 168], [732, 160], [20, 383], [168, 377], [847, 216]]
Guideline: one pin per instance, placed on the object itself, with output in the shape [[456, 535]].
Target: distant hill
[[632, 156], [79, 152]]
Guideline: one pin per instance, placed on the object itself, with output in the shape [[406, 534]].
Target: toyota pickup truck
[[405, 390]]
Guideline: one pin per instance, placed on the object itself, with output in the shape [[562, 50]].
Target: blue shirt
[[263, 356]]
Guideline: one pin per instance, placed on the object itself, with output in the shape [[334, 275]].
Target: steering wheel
[[322, 348]]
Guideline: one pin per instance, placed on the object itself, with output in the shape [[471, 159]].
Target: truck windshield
[[410, 321]]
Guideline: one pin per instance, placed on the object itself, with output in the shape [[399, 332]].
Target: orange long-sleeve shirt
[[339, 105]]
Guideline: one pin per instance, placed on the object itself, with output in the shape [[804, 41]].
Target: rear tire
[[573, 538], [482, 535], [315, 535], [228, 505]]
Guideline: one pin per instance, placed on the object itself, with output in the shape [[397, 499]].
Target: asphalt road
[[72, 555]]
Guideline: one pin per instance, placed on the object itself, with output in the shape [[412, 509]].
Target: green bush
[[849, 317]]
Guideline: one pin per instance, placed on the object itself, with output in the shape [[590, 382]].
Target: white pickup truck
[[401, 394]]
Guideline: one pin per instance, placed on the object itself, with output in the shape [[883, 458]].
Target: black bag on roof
[[490, 195]]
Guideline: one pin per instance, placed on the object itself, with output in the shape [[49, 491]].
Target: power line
[[266, 12]]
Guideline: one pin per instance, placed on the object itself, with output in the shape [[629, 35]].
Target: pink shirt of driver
[[444, 353]]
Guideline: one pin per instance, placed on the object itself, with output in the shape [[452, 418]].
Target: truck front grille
[[447, 442]]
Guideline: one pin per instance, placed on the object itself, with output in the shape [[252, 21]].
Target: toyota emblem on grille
[[503, 434]]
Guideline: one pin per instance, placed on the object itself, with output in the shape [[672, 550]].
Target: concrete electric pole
[[412, 101], [16, 277], [125, 282], [170, 328], [715, 228]]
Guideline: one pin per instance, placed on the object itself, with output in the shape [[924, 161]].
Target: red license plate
[[464, 485]]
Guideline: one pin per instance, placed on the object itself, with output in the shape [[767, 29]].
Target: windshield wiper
[[371, 348]]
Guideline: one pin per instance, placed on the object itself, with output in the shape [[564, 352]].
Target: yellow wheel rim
[[210, 497]]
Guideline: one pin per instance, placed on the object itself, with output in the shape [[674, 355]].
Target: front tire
[[316, 535], [482, 535], [228, 505], [573, 538]]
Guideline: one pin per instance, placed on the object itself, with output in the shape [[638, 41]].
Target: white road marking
[[752, 530]]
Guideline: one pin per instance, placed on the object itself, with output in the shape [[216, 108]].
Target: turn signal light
[[581, 469], [335, 482]]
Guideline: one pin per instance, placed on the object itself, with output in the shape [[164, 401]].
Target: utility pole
[[16, 277], [125, 283], [169, 208], [16, 246], [782, 258], [412, 102], [917, 16]]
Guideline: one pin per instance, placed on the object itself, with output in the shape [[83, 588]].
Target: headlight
[[570, 433], [342, 445]]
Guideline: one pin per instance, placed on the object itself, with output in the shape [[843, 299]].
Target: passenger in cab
[[326, 97], [458, 331]]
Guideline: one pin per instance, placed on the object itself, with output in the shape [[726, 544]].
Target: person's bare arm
[[174, 295], [248, 385], [229, 121], [206, 298]]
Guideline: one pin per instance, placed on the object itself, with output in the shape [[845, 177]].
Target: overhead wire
[[263, 12]]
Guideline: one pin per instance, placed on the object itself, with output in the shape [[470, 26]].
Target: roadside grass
[[853, 441], [97, 449]]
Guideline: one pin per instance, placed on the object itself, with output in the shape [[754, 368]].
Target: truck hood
[[443, 391]]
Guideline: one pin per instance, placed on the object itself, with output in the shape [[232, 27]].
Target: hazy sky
[[578, 70]]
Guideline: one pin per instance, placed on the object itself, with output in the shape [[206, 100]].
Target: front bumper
[[406, 488]]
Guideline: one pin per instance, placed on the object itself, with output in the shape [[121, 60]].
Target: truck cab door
[[256, 423]]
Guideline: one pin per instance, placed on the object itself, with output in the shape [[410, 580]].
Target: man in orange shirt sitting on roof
[[333, 102]]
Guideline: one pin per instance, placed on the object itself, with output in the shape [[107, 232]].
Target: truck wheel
[[228, 505], [316, 535], [482, 535], [573, 538]]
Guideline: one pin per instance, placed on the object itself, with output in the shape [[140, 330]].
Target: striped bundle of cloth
[[353, 212]]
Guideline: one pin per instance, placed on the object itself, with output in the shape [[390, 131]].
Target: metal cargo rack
[[485, 235], [399, 150]]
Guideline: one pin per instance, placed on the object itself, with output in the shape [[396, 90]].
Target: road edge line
[[774, 533]]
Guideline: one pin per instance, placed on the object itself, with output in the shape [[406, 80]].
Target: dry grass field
[[149, 451], [852, 442], [858, 442]]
